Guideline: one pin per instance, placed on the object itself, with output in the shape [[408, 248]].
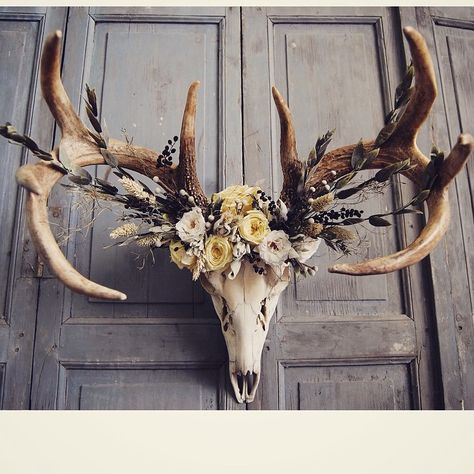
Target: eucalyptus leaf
[[385, 134], [78, 179], [344, 180], [58, 165], [109, 158], [351, 221], [378, 221], [346, 193], [422, 196], [93, 120], [92, 99], [357, 158]]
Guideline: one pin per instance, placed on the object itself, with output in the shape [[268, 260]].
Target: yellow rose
[[236, 200], [254, 227], [217, 252], [180, 257]]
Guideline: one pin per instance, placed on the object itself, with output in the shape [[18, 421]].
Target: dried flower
[[136, 190], [125, 230], [322, 202], [192, 226], [150, 241], [340, 233], [314, 230]]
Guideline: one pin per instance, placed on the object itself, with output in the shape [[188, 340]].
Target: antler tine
[[436, 227], [53, 89], [402, 146], [291, 166], [39, 179], [425, 92], [186, 171]]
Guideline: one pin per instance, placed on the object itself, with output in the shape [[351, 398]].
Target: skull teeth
[[245, 385]]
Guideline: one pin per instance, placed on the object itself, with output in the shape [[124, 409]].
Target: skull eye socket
[[224, 315], [263, 312]]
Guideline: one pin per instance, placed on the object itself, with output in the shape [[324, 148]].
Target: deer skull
[[244, 300], [245, 305]]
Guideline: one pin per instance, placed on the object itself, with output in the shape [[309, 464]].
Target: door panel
[[449, 33], [21, 36], [337, 68], [165, 340]]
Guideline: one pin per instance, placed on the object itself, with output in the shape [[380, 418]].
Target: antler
[[77, 144], [400, 146]]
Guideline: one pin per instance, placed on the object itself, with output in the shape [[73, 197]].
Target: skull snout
[[244, 383]]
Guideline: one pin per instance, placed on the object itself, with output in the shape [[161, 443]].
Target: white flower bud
[[208, 225], [333, 173], [211, 218], [182, 192], [311, 221], [310, 201], [327, 187], [312, 189], [324, 182], [156, 179]]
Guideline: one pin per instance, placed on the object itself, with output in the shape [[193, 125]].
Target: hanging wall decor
[[241, 243]]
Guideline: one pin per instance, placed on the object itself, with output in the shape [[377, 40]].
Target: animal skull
[[245, 305], [244, 301]]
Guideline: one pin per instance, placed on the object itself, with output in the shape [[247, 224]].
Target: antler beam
[[81, 150], [400, 146]]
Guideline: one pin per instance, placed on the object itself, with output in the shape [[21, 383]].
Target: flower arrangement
[[243, 222]]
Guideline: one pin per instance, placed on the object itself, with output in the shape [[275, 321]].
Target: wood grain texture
[[22, 31]]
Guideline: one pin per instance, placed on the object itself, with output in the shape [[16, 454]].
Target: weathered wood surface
[[21, 36], [401, 341], [449, 33]]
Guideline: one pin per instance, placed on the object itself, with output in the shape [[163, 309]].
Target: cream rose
[[276, 248], [217, 253], [306, 248], [180, 257], [236, 200], [192, 226], [254, 227]]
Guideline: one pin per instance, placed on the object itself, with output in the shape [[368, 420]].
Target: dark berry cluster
[[165, 158], [325, 217], [271, 205]]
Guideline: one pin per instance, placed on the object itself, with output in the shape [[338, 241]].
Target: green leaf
[[357, 158], [322, 143], [422, 196], [386, 173], [109, 158], [311, 158], [79, 175], [92, 98], [371, 155], [346, 193], [385, 134], [344, 180], [351, 221], [98, 139], [93, 120], [378, 221]]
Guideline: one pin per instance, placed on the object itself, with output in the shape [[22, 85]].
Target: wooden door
[[338, 341], [400, 341], [162, 349], [22, 33]]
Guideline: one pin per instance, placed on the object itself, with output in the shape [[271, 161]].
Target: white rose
[[276, 248], [192, 226], [306, 248]]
